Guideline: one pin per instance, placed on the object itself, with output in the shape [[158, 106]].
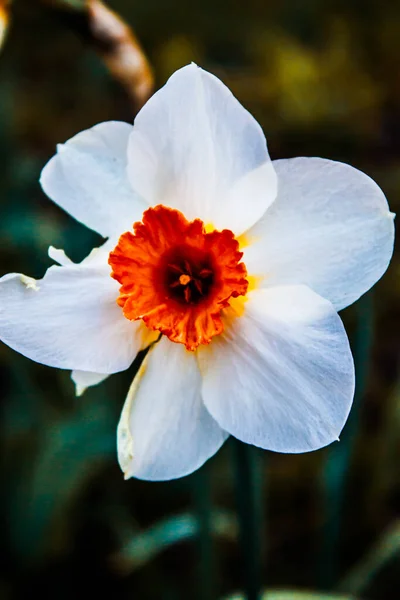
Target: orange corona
[[176, 276]]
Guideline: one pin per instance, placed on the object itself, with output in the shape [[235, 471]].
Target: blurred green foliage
[[322, 79], [293, 595]]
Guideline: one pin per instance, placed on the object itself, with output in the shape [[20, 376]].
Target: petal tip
[[29, 283], [61, 148], [125, 453], [58, 256], [128, 474]]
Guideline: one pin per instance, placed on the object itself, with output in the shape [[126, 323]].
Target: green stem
[[339, 456], [249, 505], [203, 510]]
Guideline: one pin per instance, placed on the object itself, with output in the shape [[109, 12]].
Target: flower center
[[189, 274], [176, 276]]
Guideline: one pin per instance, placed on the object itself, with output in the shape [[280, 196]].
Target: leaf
[[70, 453], [294, 595], [146, 544], [385, 550]]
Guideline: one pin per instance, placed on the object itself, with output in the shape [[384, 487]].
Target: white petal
[[165, 431], [87, 178], [329, 228], [192, 144], [59, 256], [69, 319], [83, 380], [281, 376], [97, 256]]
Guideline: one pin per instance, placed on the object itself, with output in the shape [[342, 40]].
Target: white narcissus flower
[[233, 274]]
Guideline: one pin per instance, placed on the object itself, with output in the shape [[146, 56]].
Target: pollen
[[177, 275]]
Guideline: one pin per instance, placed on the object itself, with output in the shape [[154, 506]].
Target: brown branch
[[4, 19], [113, 40]]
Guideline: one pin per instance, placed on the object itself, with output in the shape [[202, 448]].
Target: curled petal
[[165, 431]]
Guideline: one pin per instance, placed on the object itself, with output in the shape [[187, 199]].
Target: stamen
[[188, 267], [205, 273], [175, 268], [199, 286]]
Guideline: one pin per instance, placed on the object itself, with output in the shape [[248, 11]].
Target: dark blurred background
[[323, 79]]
